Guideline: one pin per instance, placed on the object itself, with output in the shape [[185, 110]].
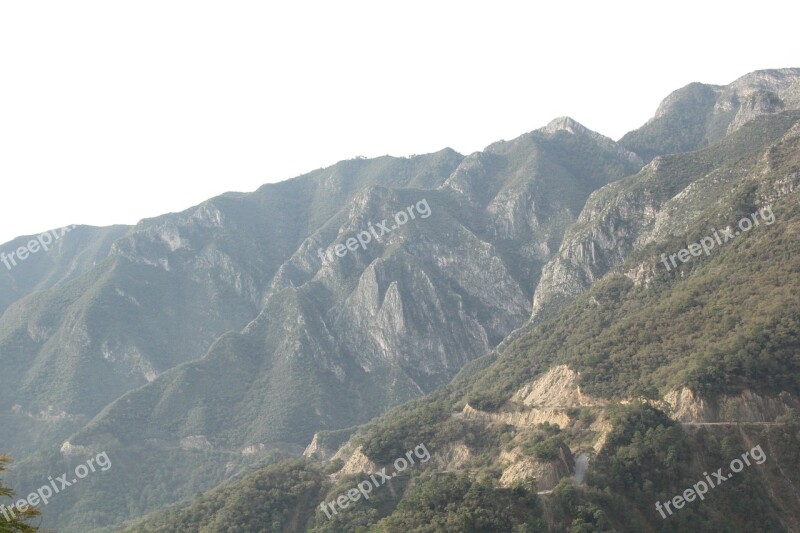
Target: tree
[[12, 520]]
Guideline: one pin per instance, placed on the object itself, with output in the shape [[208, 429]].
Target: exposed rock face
[[254, 449], [759, 93], [665, 199], [546, 473], [523, 419], [548, 397], [556, 388], [605, 233], [358, 463], [316, 451], [686, 406], [451, 457], [68, 449]]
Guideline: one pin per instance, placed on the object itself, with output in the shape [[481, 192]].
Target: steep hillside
[[135, 302], [654, 377], [665, 200]]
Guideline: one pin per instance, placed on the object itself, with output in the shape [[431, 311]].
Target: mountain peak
[[567, 124], [700, 114]]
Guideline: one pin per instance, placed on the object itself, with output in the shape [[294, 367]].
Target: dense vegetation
[[689, 125], [649, 458], [457, 504], [277, 498], [545, 443]]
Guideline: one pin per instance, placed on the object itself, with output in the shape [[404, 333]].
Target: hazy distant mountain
[[69, 254]]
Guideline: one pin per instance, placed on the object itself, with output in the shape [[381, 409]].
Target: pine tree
[[12, 520]]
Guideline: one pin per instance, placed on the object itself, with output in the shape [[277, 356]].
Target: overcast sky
[[115, 111]]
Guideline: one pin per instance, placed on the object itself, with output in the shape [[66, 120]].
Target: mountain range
[[523, 328]]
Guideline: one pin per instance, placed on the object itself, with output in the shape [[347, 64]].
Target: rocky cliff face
[[748, 407], [668, 197], [699, 114], [759, 93]]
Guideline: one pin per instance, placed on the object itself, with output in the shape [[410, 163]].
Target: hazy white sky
[[115, 111]]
